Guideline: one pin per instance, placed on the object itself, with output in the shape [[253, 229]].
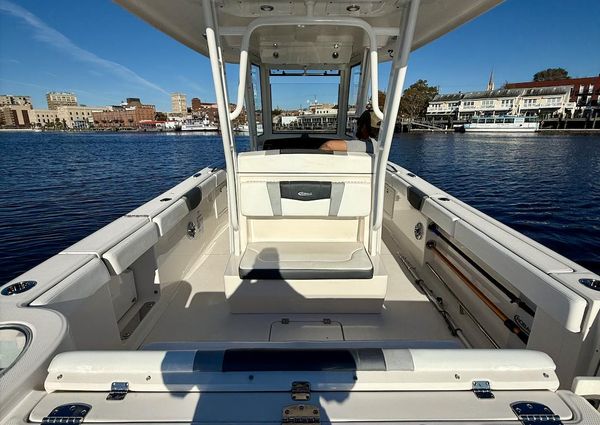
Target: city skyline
[[94, 50]]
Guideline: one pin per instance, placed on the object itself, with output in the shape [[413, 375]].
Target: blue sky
[[104, 54]]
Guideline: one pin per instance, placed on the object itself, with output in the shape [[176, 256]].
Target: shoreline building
[[14, 111], [127, 115], [43, 117], [555, 100], [56, 99], [178, 103], [540, 101], [9, 100], [584, 94]]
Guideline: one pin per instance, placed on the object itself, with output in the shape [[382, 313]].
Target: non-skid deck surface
[[198, 311]]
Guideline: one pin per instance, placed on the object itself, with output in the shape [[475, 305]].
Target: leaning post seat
[[304, 220]]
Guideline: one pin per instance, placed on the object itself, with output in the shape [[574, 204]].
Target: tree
[[381, 99], [551, 74], [416, 98]]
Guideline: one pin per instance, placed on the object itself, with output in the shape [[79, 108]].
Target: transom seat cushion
[[306, 260]]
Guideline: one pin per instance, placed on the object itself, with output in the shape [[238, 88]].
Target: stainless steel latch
[[71, 414], [301, 414], [482, 389], [300, 391], [118, 391], [531, 413]]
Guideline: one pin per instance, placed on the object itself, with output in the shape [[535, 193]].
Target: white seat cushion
[[305, 260]]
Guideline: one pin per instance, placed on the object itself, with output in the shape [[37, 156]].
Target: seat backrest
[[304, 189]]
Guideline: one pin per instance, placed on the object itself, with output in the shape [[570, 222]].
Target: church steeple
[[490, 85]]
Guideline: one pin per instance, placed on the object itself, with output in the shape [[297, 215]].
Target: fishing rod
[[508, 322], [511, 296]]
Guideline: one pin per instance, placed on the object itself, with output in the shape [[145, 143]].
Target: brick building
[[196, 104], [124, 116]]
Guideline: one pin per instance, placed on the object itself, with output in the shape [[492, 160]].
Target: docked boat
[[502, 124], [198, 125], [298, 285], [245, 128]]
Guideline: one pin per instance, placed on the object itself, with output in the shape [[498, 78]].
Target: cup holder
[[18, 287], [591, 283]]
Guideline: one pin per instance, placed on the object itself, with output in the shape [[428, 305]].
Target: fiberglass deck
[[198, 312]]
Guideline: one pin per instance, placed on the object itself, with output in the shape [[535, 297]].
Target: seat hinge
[[118, 391], [301, 414], [300, 391], [72, 413], [482, 389], [531, 413]]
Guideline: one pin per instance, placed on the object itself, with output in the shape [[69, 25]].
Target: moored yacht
[[298, 285], [198, 125], [502, 124]]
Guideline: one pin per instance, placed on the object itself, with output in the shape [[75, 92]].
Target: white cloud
[[49, 35]]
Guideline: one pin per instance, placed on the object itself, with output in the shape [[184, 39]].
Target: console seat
[[305, 260], [304, 220]]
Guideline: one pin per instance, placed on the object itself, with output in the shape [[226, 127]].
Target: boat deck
[[198, 312]]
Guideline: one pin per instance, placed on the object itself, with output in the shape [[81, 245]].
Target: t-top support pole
[[218, 72], [386, 133]]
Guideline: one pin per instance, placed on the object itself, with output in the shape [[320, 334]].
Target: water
[[59, 187]]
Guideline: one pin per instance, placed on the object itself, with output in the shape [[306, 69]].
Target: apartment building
[[56, 99], [178, 103], [539, 101], [584, 94], [9, 100]]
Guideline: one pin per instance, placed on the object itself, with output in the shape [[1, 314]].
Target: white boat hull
[[500, 129]]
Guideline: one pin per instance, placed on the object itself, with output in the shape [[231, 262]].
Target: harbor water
[[59, 187]]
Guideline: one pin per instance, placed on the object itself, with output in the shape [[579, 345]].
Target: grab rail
[[307, 20]]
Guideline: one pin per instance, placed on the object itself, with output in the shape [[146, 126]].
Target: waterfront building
[[15, 116], [196, 104], [124, 116], [584, 94], [56, 99], [78, 117], [318, 116], [9, 100], [444, 107], [539, 101], [43, 117], [178, 103]]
